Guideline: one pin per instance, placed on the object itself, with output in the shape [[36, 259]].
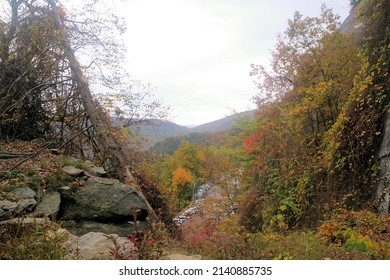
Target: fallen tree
[[119, 154]]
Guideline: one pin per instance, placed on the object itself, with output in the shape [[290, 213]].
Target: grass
[[56, 180], [78, 163], [32, 241]]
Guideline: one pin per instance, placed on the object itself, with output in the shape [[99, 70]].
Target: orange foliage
[[181, 177]]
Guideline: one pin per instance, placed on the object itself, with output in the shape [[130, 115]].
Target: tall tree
[[33, 80]]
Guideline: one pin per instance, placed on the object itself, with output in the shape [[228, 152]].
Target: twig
[[7, 155], [85, 129]]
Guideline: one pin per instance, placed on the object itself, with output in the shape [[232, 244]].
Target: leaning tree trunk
[[382, 195], [119, 154]]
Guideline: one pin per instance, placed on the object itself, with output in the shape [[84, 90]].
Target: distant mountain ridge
[[222, 124], [157, 130], [161, 129]]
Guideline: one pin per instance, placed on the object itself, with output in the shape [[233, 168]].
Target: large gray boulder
[[97, 171], [99, 246], [104, 200], [73, 171]]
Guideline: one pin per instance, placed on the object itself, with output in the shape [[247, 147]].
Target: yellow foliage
[[181, 177], [200, 155]]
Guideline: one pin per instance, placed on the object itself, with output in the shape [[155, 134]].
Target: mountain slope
[[222, 124], [169, 135], [158, 130]]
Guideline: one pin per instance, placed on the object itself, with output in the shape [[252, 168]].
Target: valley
[[156, 131]]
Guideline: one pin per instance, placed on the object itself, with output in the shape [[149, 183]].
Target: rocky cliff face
[[382, 194], [349, 25]]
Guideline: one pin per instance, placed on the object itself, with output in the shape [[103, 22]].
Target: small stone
[[73, 171], [7, 209], [26, 205], [39, 141], [98, 171], [23, 193], [183, 257]]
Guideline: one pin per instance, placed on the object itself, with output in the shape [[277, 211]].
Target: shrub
[[34, 241], [362, 232], [149, 244]]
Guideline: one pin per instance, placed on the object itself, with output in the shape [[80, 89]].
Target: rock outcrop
[[382, 195], [104, 200], [89, 203], [193, 208], [97, 214], [73, 171]]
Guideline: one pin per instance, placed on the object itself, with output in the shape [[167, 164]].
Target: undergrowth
[[347, 235], [148, 245], [32, 241]]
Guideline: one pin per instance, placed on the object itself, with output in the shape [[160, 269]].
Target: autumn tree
[[134, 104], [190, 157], [38, 88], [182, 186], [312, 72], [35, 87], [181, 178]]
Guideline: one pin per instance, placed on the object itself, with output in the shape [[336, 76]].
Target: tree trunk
[[6, 37], [382, 195], [119, 153]]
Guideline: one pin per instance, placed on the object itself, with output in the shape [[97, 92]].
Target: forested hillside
[[158, 134], [306, 178]]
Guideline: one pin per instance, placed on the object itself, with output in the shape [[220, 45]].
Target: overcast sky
[[197, 53]]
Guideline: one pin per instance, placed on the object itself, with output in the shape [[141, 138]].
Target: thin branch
[[7, 155], [81, 132], [32, 156]]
